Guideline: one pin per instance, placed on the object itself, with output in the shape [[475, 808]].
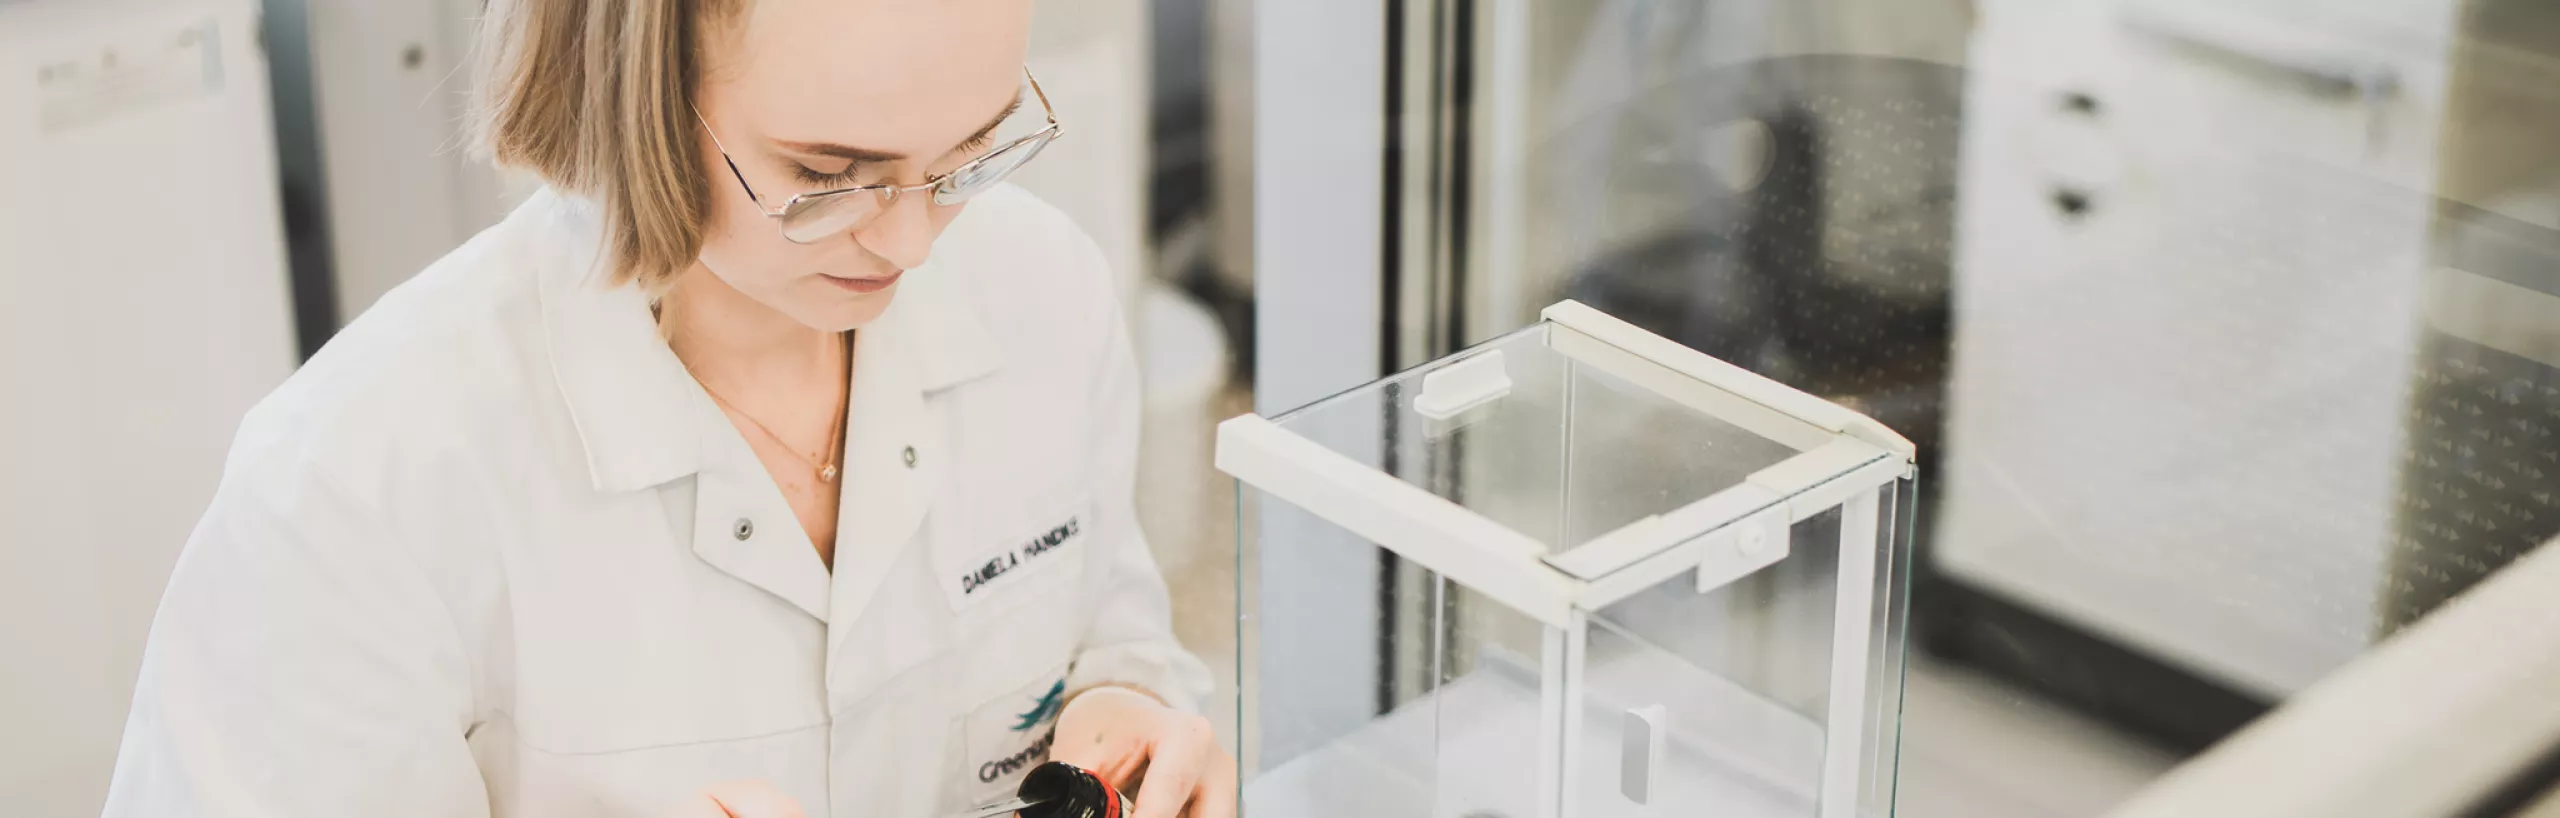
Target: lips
[[870, 284]]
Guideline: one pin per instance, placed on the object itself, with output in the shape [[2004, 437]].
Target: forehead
[[888, 74]]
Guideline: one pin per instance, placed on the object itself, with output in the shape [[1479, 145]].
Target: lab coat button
[[911, 457], [743, 529]]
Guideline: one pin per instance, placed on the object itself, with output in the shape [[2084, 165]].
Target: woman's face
[[815, 95]]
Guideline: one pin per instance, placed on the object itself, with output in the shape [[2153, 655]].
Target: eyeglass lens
[[986, 171], [815, 220]]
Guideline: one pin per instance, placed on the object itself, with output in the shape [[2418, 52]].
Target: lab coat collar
[[632, 402], [629, 398], [948, 341]]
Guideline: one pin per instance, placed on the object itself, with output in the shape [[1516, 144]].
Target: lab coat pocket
[[1002, 737], [1013, 582]]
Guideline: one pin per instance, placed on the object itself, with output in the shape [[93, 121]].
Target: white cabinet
[[390, 84], [2191, 244], [143, 308]]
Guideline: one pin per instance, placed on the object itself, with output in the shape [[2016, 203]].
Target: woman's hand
[[1167, 761], [738, 799]]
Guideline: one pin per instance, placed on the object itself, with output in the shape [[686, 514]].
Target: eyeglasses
[[813, 217]]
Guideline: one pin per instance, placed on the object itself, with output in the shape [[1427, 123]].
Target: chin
[[853, 313]]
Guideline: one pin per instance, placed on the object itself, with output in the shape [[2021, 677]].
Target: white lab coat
[[494, 553]]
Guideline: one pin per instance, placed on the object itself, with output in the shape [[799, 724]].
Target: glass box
[[1576, 571]]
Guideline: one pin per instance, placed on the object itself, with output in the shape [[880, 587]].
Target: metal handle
[[1640, 752], [2319, 71]]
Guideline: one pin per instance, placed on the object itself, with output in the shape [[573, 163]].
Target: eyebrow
[[873, 155]]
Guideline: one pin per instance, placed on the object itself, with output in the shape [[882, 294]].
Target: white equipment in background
[[391, 85], [1092, 59], [1185, 509], [2190, 248], [143, 308], [1184, 363], [2453, 716]]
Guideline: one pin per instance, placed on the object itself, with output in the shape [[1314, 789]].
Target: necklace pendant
[[827, 473]]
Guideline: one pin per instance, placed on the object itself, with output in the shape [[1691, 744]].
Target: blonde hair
[[595, 96]]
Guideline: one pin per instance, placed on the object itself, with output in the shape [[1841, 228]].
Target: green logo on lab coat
[[1045, 709]]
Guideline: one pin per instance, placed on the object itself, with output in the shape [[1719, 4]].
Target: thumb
[[753, 799]]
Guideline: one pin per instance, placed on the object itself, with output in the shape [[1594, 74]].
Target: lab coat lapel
[[897, 448], [886, 492], [644, 425], [742, 526]]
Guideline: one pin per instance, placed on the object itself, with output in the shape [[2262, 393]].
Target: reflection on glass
[[2227, 328], [1601, 585], [1573, 453]]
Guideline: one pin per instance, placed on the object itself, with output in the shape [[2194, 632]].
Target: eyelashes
[[839, 178], [845, 178]]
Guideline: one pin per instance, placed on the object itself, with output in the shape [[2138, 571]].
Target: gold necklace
[[826, 468]]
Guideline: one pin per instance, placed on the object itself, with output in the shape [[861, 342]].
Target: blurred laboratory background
[[2228, 330]]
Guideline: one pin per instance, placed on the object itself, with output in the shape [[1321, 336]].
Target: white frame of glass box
[[1843, 460]]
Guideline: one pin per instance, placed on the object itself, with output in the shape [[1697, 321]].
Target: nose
[[903, 233]]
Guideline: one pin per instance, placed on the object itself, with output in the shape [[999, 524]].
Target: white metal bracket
[[1746, 546], [1776, 397], [1478, 380]]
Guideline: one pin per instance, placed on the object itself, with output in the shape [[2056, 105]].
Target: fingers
[[697, 806], [1116, 758], [1174, 771], [751, 799], [1217, 796], [1111, 732]]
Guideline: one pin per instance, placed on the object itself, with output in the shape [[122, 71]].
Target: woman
[[694, 488]]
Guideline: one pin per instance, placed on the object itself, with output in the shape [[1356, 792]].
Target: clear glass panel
[[1568, 453], [1488, 660], [2257, 302], [1741, 680], [1330, 727], [1432, 700], [1378, 688], [1888, 651]]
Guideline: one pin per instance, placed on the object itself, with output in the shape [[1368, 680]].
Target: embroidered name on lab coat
[[984, 576], [979, 578]]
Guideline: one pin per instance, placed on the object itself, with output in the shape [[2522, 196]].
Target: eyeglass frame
[[888, 193]]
